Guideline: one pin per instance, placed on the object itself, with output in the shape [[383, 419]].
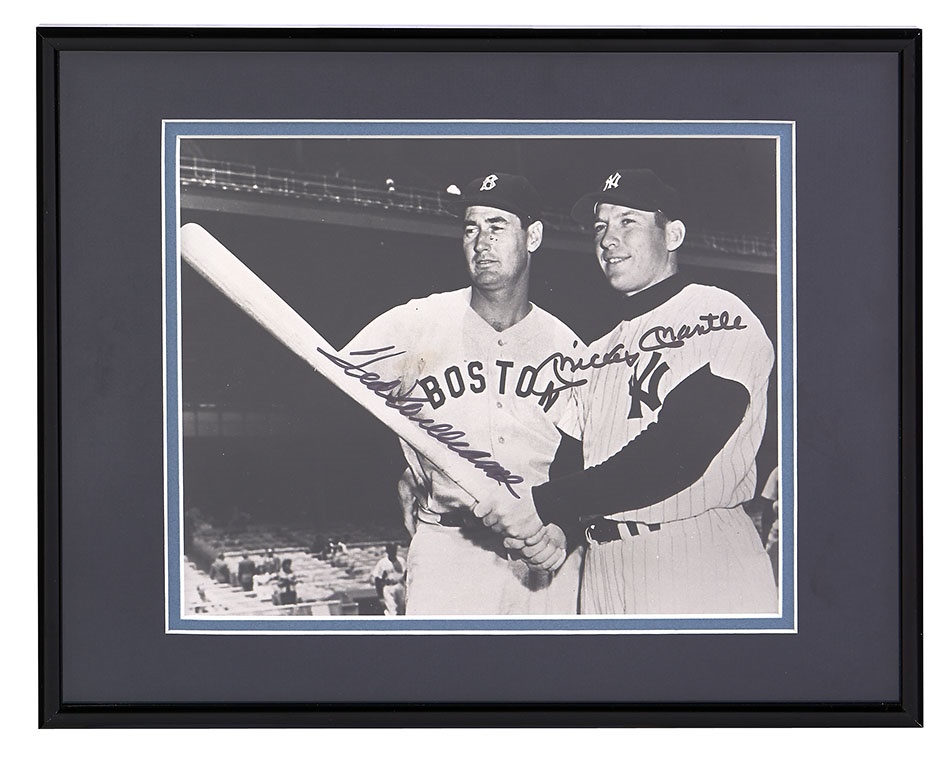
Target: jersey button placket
[[493, 421], [499, 424]]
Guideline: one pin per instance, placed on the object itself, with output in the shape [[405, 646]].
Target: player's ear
[[675, 234], [535, 233]]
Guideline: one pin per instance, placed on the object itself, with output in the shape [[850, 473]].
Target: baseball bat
[[252, 295]]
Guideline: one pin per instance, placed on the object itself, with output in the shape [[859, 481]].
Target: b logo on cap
[[489, 182], [612, 182]]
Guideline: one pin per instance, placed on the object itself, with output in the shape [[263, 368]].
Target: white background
[[19, 691]]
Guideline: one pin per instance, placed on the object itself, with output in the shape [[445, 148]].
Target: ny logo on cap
[[612, 181], [489, 182]]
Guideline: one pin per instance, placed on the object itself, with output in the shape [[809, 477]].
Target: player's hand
[[411, 495], [512, 543], [547, 549], [510, 516]]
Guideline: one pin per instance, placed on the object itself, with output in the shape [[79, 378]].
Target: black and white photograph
[[475, 377]]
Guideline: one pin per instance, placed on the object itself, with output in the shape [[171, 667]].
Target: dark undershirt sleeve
[[568, 459], [697, 419]]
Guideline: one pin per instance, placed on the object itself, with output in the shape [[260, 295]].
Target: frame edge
[[49, 497]]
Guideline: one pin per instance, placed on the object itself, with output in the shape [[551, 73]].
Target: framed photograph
[[480, 378]]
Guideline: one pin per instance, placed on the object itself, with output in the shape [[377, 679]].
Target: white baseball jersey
[[485, 383], [698, 551]]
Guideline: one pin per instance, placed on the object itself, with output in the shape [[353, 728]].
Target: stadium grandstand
[[286, 193]]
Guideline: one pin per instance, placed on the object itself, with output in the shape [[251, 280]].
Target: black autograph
[[664, 337], [653, 340], [410, 407], [560, 362]]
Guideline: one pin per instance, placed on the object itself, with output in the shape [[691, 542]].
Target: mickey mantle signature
[[653, 339]]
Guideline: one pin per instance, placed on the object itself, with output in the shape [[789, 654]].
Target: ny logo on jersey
[[489, 182], [613, 181], [654, 371]]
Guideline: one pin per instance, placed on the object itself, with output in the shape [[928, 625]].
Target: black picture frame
[[64, 427]]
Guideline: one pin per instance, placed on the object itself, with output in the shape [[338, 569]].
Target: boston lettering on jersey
[[475, 377]]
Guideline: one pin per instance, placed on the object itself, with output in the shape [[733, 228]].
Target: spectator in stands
[[220, 571], [264, 584], [270, 563], [247, 568], [389, 577], [286, 592], [333, 549]]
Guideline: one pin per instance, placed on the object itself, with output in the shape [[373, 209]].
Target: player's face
[[497, 249], [632, 250]]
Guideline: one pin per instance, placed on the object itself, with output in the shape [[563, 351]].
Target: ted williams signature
[[410, 407]]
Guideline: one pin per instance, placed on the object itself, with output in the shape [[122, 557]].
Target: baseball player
[[672, 408], [475, 357], [389, 578]]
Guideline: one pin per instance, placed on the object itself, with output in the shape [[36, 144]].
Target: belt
[[602, 530], [479, 534], [453, 519]]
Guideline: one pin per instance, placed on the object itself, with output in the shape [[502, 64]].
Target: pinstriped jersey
[[644, 358]]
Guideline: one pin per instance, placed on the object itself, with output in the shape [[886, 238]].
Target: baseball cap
[[508, 192], [634, 188]]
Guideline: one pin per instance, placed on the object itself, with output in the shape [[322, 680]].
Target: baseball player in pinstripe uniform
[[472, 355], [671, 406]]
